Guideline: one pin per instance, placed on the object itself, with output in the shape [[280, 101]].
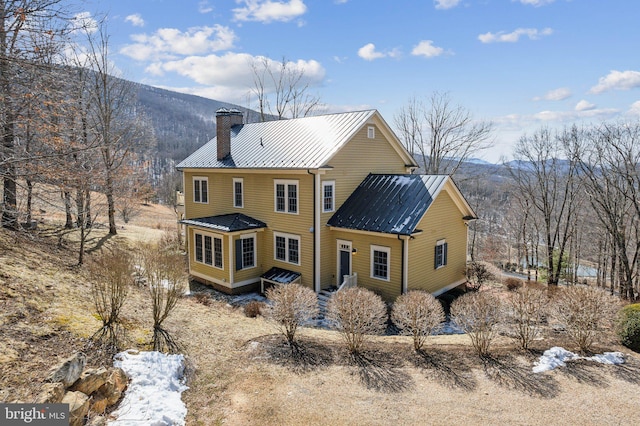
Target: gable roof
[[227, 222], [392, 204], [300, 143]]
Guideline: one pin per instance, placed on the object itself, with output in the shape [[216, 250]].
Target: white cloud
[[584, 105], [368, 52], [536, 3], [204, 7], [427, 49], [634, 109], [559, 94], [168, 43], [229, 76], [617, 80], [135, 20], [267, 11], [514, 36], [84, 22], [446, 4]]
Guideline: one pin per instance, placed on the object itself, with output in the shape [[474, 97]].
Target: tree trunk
[[67, 209], [29, 200], [111, 205]]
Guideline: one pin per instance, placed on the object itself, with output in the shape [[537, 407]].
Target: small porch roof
[[277, 275], [232, 222]]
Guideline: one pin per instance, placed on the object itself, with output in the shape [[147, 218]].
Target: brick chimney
[[225, 119]]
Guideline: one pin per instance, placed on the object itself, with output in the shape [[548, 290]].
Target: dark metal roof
[[227, 222], [307, 142], [281, 276], [392, 204]]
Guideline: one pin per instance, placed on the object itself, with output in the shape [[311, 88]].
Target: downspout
[[404, 273], [316, 230]]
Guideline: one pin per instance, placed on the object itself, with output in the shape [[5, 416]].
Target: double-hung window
[[328, 196], [246, 252], [208, 250], [200, 190], [380, 257], [286, 196], [238, 197], [287, 248], [440, 254]]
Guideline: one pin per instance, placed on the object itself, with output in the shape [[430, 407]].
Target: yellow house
[[323, 201]]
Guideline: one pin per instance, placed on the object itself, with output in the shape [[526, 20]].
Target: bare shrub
[[254, 308], [291, 306], [477, 314], [417, 314], [512, 283], [526, 309], [112, 276], [585, 312], [165, 273], [203, 298], [479, 272], [356, 313]]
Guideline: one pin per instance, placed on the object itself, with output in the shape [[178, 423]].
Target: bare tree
[[418, 314], [291, 305], [546, 175], [282, 89], [356, 313], [526, 308], [443, 134]]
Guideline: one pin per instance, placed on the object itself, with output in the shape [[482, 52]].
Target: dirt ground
[[241, 372]]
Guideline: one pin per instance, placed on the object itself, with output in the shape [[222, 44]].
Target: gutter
[[316, 229], [404, 272]]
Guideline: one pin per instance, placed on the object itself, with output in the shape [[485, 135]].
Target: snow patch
[[557, 357], [155, 388]]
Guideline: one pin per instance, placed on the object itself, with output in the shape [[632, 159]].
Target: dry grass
[[242, 373]]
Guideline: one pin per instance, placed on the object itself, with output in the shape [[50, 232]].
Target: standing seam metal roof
[[392, 204], [307, 142], [231, 222]]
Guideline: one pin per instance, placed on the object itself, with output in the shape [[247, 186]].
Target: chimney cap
[[222, 111]]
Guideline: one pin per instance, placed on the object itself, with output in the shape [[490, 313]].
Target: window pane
[[328, 197], [198, 248], [380, 264], [208, 253], [217, 251], [280, 197], [293, 250], [247, 252], [281, 250], [293, 198], [238, 194], [203, 187], [196, 191]]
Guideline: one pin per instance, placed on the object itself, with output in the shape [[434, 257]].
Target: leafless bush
[[112, 276], [418, 314], [526, 308], [165, 273], [479, 272], [357, 312], [254, 308], [477, 314], [585, 312], [291, 306], [512, 283], [203, 298]]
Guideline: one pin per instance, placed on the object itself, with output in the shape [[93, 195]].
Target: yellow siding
[[359, 157], [442, 221], [361, 262]]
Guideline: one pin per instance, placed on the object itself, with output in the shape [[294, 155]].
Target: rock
[[110, 393], [97, 421], [78, 407], [51, 393], [69, 370], [91, 380]]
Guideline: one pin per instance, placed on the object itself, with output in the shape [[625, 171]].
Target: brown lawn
[[241, 373]]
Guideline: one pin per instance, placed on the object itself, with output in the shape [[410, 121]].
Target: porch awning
[[277, 275], [227, 222]]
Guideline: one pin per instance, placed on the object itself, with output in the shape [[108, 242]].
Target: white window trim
[[205, 179], [371, 132], [241, 181], [442, 243], [213, 249], [285, 182], [255, 250], [331, 183], [287, 237], [386, 250]]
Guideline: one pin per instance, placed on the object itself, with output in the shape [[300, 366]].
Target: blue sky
[[522, 64]]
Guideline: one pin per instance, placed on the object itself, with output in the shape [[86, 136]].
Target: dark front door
[[345, 265]]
